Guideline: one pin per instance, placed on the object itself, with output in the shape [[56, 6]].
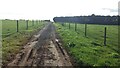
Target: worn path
[[44, 49]]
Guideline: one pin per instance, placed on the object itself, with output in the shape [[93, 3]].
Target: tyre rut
[[43, 50]]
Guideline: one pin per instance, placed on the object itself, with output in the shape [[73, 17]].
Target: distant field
[[12, 41], [10, 26], [90, 50]]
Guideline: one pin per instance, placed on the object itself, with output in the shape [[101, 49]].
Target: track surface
[[44, 49]]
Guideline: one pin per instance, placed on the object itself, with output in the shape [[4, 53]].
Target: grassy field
[[10, 26], [12, 41], [90, 50]]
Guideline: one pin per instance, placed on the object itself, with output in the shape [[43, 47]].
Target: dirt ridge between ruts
[[43, 50]]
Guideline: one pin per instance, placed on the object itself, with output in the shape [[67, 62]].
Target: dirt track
[[44, 49]]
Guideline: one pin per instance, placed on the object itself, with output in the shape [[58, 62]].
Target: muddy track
[[43, 50]]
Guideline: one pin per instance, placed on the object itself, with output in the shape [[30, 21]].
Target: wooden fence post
[[17, 26], [85, 29], [33, 22], [75, 26], [69, 25], [105, 36], [37, 22], [27, 25], [62, 23]]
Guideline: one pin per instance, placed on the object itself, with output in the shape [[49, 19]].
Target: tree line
[[93, 19]]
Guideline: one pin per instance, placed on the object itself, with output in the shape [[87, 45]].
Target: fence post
[[105, 36], [17, 26], [33, 22], [75, 26], [62, 23], [85, 29], [69, 25], [37, 22], [27, 25]]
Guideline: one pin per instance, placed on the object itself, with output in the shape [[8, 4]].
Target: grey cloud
[[111, 10]]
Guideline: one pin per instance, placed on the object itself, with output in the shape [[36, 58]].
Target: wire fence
[[10, 27], [102, 34]]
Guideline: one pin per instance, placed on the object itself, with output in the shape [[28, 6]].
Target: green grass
[[10, 26], [90, 50], [11, 44], [0, 41]]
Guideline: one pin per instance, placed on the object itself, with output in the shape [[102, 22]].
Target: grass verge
[[86, 50], [12, 44]]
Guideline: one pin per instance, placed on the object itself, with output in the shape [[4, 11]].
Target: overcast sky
[[47, 9]]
